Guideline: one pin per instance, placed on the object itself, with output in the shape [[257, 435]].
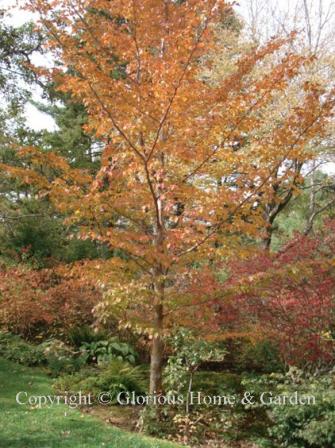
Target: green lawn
[[53, 426]]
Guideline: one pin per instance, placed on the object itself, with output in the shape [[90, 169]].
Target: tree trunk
[[157, 349], [267, 239], [312, 202]]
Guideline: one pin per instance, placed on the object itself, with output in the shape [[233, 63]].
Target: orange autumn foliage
[[43, 303], [185, 163]]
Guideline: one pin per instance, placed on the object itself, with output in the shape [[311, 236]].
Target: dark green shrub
[[117, 377], [77, 336], [120, 376], [216, 383], [261, 356], [61, 358], [15, 349], [84, 380], [108, 350], [303, 425]]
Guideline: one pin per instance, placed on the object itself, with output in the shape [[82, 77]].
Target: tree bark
[[157, 350], [267, 239]]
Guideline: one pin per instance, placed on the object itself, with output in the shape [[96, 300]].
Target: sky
[[35, 119], [38, 120]]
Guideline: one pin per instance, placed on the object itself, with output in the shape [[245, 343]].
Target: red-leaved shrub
[[287, 297], [40, 303]]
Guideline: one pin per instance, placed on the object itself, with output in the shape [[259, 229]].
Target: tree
[[314, 20], [297, 215], [168, 136], [30, 229], [288, 298], [69, 139], [17, 47]]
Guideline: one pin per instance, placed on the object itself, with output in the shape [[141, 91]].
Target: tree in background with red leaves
[[286, 297]]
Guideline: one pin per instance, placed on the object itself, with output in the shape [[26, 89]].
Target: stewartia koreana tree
[[185, 163]]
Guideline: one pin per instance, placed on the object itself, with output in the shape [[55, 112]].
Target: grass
[[57, 426]]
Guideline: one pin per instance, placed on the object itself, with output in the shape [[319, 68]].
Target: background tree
[[287, 297], [31, 230], [17, 47], [69, 139], [314, 20]]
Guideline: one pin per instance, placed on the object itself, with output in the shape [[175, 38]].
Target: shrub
[[12, 347], [118, 376], [83, 380], [84, 334], [261, 356], [61, 358], [184, 421], [36, 304], [189, 352], [300, 426], [287, 297], [108, 350], [70, 304], [23, 309]]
